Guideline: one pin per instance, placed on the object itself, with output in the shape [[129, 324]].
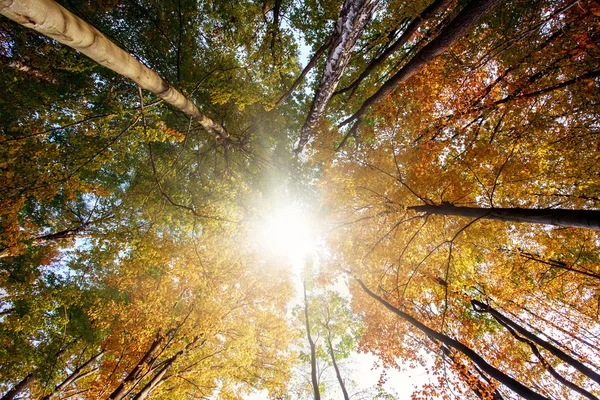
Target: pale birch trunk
[[56, 22], [355, 14]]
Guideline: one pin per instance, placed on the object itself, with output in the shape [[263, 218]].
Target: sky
[[290, 230]]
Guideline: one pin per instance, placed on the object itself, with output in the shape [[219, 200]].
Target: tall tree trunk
[[480, 388], [129, 380], [352, 20], [492, 371], [54, 21], [416, 23], [73, 376], [306, 70], [337, 370], [313, 352], [19, 387], [145, 392], [556, 352], [548, 216], [466, 20]]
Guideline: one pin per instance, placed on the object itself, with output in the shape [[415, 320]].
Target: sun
[[290, 232]]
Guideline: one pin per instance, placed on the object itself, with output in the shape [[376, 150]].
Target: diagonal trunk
[[54, 21], [74, 376], [337, 370], [547, 365], [313, 352], [428, 13], [556, 352], [123, 388], [436, 336], [480, 388], [306, 70], [19, 387], [548, 216], [145, 392], [355, 14], [466, 20]]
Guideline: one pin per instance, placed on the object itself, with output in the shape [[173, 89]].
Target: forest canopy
[[207, 199]]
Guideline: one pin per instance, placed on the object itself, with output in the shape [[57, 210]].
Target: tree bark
[[492, 371], [122, 389], [549, 216], [73, 376], [428, 13], [313, 352], [145, 392], [478, 387], [54, 21], [305, 71], [353, 17], [337, 370], [466, 20], [556, 352], [19, 387]]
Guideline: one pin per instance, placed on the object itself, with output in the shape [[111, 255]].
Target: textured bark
[[555, 351], [353, 17], [466, 20], [306, 70], [19, 387], [492, 371], [548, 216], [313, 352], [428, 13], [54, 21]]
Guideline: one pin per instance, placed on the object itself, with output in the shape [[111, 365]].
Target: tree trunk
[[305, 71], [73, 376], [428, 13], [548, 216], [353, 17], [54, 21], [145, 392], [19, 387], [122, 389], [466, 20], [313, 352], [480, 388], [492, 371], [337, 370], [556, 352]]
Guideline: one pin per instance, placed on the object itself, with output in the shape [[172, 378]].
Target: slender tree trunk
[[428, 13], [306, 70], [557, 264], [480, 388], [548, 216], [73, 376], [466, 20], [54, 21], [492, 371], [547, 365], [337, 370], [145, 392], [123, 388], [355, 14], [313, 352], [555, 351], [19, 387]]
